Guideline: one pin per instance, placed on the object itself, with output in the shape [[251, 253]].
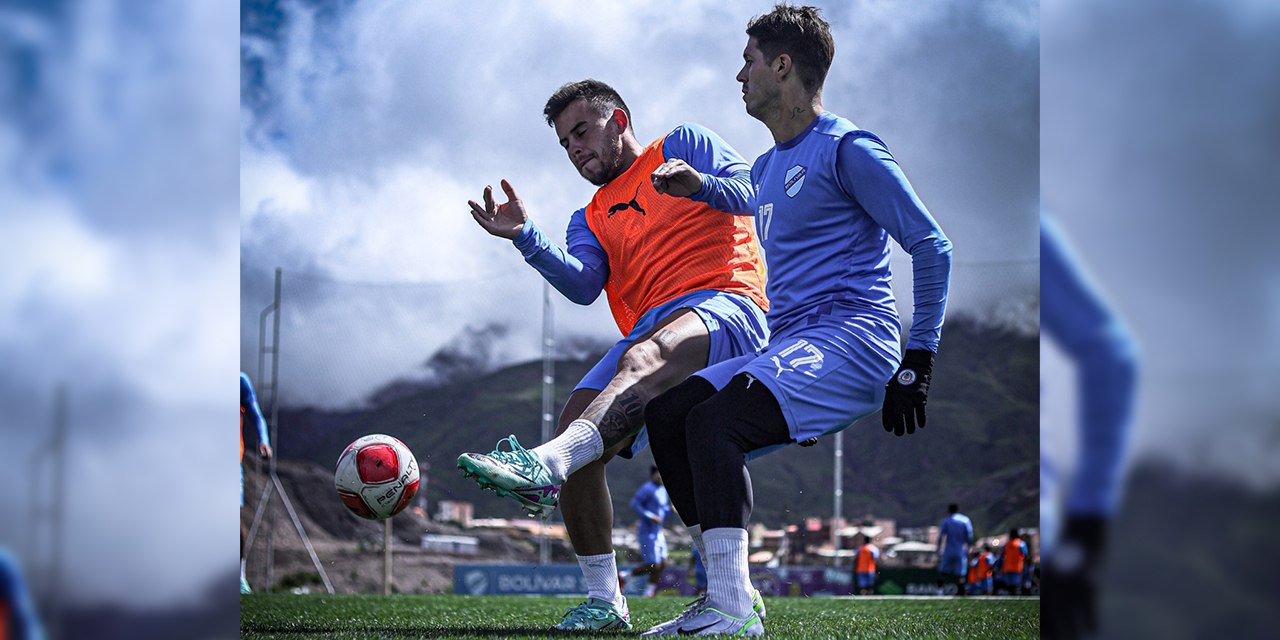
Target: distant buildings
[[452, 511], [809, 543]]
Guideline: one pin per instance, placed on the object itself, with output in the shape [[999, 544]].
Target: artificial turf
[[448, 616]]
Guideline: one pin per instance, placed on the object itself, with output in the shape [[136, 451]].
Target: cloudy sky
[[365, 128], [118, 218]]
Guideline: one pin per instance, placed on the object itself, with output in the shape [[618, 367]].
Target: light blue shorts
[[953, 564], [825, 375], [653, 549], [735, 323]]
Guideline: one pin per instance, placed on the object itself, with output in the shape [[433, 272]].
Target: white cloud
[[375, 123]]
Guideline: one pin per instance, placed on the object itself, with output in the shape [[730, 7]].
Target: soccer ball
[[376, 477]]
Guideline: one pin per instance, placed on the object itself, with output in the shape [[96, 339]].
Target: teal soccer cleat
[[516, 473], [595, 615]]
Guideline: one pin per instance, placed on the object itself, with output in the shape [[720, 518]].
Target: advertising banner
[[567, 579]]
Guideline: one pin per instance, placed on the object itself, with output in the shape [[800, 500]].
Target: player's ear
[[782, 65], [620, 120]]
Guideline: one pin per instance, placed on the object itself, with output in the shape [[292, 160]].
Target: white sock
[[696, 532], [649, 586], [242, 569], [601, 573], [728, 580], [579, 445]]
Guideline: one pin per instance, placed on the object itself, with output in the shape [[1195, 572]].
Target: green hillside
[[980, 448]]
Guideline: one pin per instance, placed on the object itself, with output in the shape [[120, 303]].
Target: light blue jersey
[[958, 533], [827, 203]]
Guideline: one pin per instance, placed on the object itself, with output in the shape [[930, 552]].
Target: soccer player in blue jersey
[[685, 284], [829, 197], [954, 535], [1076, 317], [249, 408], [652, 505], [18, 620]]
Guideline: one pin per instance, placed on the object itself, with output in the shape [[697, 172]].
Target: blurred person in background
[[864, 566], [1075, 316], [699, 572], [954, 535], [984, 566], [652, 505], [249, 407], [18, 620], [1012, 561], [971, 583]]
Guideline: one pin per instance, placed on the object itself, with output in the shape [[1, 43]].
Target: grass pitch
[[394, 617]]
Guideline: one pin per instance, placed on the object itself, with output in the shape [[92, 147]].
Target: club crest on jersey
[[794, 180]]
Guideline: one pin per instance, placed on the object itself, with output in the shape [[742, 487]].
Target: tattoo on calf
[[622, 417]]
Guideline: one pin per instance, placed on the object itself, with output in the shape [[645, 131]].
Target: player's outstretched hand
[[1069, 584], [676, 178], [264, 450], [907, 392], [504, 220]]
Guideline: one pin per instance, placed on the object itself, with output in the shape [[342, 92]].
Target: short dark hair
[[599, 95], [1013, 533], [801, 33], [953, 508], [653, 468]]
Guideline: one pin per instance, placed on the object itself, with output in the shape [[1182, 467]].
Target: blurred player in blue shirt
[[954, 535], [699, 571], [249, 409], [1075, 316], [652, 505], [18, 619]]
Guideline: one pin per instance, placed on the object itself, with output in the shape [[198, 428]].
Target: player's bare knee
[[641, 360]]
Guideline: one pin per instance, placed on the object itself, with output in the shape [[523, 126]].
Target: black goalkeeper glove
[[1069, 579], [907, 392]]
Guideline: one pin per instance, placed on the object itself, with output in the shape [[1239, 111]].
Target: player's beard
[[765, 106], [610, 159]]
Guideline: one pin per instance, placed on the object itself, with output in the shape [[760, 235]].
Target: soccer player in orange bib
[[686, 287], [864, 566]]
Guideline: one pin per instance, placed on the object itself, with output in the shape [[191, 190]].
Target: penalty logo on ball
[[376, 477]]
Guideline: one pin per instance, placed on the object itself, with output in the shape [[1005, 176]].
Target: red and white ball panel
[[376, 477]]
